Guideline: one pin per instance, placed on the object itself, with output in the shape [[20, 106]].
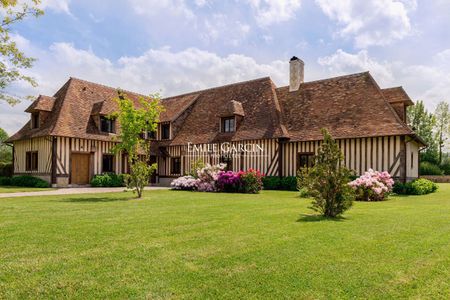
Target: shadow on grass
[[97, 199], [318, 218]]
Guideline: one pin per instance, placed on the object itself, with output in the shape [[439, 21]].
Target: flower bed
[[213, 178], [372, 186]]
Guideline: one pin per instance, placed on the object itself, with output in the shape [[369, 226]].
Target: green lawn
[[198, 245], [17, 189]]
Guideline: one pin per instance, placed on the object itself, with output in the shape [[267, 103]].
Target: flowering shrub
[[251, 181], [213, 178], [208, 176], [229, 182], [187, 183], [372, 186]]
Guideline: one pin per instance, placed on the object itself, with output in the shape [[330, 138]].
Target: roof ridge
[[332, 78], [394, 87], [106, 86], [218, 87]]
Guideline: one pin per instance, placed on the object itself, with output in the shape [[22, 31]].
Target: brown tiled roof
[[397, 94], [43, 103], [75, 107], [348, 106], [261, 120]]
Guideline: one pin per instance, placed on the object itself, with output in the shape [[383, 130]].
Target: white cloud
[[268, 12], [371, 22], [342, 62], [230, 32], [162, 7], [57, 5], [156, 70]]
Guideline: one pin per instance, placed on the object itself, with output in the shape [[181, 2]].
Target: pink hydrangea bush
[[372, 186], [187, 183], [208, 176]]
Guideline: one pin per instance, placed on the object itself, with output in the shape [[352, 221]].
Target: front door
[[80, 168]]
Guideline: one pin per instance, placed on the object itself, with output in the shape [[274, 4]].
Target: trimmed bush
[[5, 180], [419, 186], [108, 180], [272, 183], [289, 183], [29, 181], [422, 186], [427, 168]]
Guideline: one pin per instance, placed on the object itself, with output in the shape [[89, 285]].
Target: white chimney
[[296, 73]]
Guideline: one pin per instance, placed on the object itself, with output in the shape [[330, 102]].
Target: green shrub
[[5, 180], [327, 181], [304, 193], [445, 166], [422, 186], [289, 183], [419, 186], [108, 180], [29, 181], [427, 168], [272, 182]]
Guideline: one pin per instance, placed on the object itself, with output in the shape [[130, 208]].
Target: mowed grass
[[174, 245], [17, 189]]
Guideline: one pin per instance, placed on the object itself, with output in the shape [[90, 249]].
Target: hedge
[[108, 180], [25, 181], [419, 186], [427, 168], [288, 183]]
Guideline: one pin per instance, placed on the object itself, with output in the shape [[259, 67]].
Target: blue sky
[[175, 46]]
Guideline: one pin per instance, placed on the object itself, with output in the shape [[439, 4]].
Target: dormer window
[[165, 131], [107, 124], [151, 135], [228, 124], [34, 120]]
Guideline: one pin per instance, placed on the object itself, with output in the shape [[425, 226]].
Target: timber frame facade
[[250, 124]]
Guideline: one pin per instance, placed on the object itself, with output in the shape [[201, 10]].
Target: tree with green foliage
[[423, 123], [327, 181], [134, 120], [5, 150], [442, 127], [13, 61]]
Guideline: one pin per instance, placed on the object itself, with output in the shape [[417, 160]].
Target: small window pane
[[228, 124], [107, 124], [228, 160], [107, 163], [31, 161], [165, 131], [35, 120], [176, 165], [305, 160]]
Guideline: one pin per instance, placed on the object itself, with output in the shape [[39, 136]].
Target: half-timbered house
[[251, 124]]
